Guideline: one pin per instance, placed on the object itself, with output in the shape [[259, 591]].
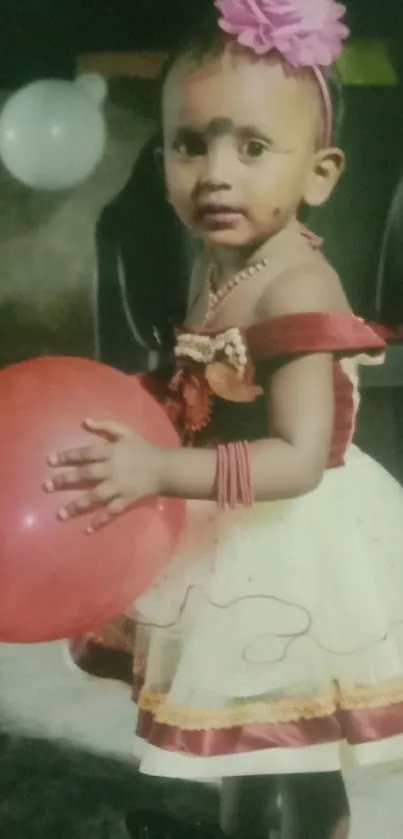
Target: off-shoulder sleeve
[[294, 334]]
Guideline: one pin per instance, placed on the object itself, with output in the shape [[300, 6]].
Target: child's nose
[[219, 166]]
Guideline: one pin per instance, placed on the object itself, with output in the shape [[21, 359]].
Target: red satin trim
[[249, 738], [369, 726], [355, 727], [312, 332], [344, 416]]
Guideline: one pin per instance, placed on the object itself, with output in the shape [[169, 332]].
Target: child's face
[[240, 146]]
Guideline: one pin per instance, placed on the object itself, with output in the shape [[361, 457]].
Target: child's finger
[[109, 427], [101, 494], [113, 510], [87, 454], [74, 477]]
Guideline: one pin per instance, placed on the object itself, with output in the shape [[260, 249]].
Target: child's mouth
[[219, 216]]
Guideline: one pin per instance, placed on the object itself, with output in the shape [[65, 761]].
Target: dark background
[[43, 37]]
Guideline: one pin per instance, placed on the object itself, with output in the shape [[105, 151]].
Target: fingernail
[[89, 530], [63, 514], [89, 422], [48, 486], [52, 460]]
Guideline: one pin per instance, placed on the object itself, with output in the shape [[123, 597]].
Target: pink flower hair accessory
[[306, 33]]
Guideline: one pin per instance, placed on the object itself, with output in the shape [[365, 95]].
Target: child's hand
[[121, 471]]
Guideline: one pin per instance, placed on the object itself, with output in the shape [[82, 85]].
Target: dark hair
[[205, 39]]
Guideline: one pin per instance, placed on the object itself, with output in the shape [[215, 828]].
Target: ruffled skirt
[[274, 641]]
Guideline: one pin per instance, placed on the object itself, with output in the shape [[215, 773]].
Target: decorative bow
[[209, 366]]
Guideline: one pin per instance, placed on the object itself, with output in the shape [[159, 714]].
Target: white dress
[[274, 641]]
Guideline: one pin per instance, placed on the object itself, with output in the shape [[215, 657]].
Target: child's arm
[[289, 462]]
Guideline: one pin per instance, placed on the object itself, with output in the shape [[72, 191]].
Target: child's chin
[[228, 237]]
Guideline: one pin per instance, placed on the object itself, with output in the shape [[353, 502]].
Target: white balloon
[[94, 85], [52, 133]]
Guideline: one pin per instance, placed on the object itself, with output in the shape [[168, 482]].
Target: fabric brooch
[[207, 367]]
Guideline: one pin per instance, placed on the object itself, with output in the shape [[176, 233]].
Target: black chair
[[389, 291], [380, 428]]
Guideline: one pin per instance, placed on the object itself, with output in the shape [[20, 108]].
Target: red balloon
[[56, 581]]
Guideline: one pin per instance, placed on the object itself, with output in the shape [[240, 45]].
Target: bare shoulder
[[312, 287]]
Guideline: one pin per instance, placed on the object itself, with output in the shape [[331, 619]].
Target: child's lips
[[219, 215]]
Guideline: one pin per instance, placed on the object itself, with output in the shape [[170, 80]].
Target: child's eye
[[253, 149], [193, 146]]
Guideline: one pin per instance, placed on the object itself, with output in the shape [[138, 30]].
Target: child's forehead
[[241, 89]]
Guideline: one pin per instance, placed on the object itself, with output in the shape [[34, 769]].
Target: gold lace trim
[[268, 711], [367, 698], [249, 713]]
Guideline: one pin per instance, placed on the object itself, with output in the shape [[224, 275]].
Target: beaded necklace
[[216, 298]]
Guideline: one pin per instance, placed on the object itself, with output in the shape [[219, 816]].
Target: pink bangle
[[247, 474], [234, 481], [243, 475], [222, 476]]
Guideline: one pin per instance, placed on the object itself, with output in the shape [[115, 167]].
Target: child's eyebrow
[[219, 127]]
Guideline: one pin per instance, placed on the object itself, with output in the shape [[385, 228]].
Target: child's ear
[[328, 166]]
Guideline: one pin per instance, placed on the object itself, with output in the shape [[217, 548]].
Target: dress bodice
[[216, 393]]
